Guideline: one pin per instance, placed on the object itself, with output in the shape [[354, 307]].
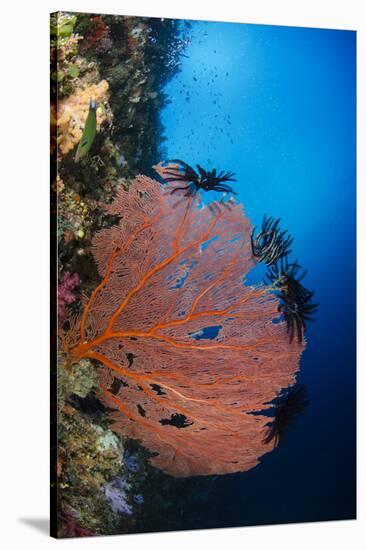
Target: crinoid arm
[[202, 172], [226, 176], [223, 188], [296, 319], [288, 406], [296, 304], [186, 166], [191, 190], [271, 244], [211, 181], [293, 318], [297, 311], [188, 174], [179, 172], [280, 274]]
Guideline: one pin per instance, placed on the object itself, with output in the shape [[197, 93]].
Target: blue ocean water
[[277, 106]]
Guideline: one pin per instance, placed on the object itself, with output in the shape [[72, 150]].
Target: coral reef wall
[[121, 65]]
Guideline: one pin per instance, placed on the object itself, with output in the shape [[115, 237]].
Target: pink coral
[[190, 354], [65, 294], [69, 525]]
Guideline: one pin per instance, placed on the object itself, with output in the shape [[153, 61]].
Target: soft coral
[[66, 294]]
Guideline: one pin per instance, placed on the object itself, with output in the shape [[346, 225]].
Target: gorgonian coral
[[187, 351]]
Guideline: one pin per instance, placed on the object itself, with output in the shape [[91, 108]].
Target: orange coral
[[170, 270], [72, 113]]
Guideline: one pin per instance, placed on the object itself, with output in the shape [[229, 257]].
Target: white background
[[24, 259]]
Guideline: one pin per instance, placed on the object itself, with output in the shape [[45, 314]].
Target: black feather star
[[271, 244], [295, 299], [193, 181], [288, 406]]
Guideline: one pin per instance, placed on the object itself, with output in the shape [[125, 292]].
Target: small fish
[[90, 129]]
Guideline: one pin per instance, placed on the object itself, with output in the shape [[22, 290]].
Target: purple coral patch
[[66, 294], [116, 495]]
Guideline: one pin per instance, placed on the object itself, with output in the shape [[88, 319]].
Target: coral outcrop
[[73, 111]]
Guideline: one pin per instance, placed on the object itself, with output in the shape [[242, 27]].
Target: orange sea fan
[[187, 351]]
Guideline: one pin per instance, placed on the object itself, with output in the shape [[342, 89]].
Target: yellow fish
[[90, 130]]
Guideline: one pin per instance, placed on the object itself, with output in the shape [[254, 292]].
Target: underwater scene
[[203, 307]]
